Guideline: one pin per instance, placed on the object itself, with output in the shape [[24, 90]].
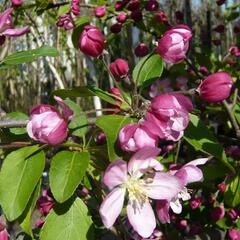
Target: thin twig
[[193, 68]]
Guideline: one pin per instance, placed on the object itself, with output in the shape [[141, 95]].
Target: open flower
[[7, 28], [127, 179], [188, 173]]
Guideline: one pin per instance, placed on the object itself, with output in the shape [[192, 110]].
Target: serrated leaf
[[30, 55], [148, 69], [202, 139], [66, 172], [20, 173], [68, 221], [111, 125]]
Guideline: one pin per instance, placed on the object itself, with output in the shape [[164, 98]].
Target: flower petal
[[68, 113], [16, 32], [115, 174], [163, 211], [111, 206], [142, 218], [199, 161], [176, 206], [162, 186], [143, 160]]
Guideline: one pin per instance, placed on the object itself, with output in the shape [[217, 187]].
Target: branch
[[13, 123]]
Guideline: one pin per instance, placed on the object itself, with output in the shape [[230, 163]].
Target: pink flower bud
[[75, 7], [136, 15], [161, 17], [91, 41], [133, 137], [116, 28], [212, 199], [235, 51], [115, 91], [39, 223], [100, 11], [119, 5], [4, 234], [85, 191], [174, 44], [218, 213], [45, 203], [222, 187], [233, 215], [220, 28], [151, 5], [66, 21], [233, 234], [195, 203], [141, 50], [133, 5], [17, 3], [233, 151], [182, 224], [216, 87], [179, 16], [101, 138], [203, 70], [230, 62], [122, 17], [119, 68], [220, 2]]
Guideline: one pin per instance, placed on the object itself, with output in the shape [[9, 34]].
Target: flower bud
[[233, 151], [100, 11], [222, 187], [119, 5], [65, 21], [91, 41], [119, 68], [218, 213], [151, 5], [233, 234], [194, 230], [182, 224], [136, 15], [133, 5], [216, 42], [17, 3], [216, 87], [39, 223], [75, 7], [195, 203], [133, 137], [235, 51], [122, 17], [233, 215], [220, 2], [174, 44], [101, 138], [203, 70], [161, 17], [141, 50], [179, 16], [4, 234], [219, 29], [116, 28]]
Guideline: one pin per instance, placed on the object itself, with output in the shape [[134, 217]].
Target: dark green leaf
[[20, 173], [111, 125], [66, 172], [30, 55], [202, 139], [148, 69], [68, 221]]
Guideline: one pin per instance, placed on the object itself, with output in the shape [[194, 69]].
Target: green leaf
[[148, 69], [236, 111], [17, 116], [78, 123], [232, 195], [25, 220], [202, 139], [66, 172], [30, 55], [20, 173], [68, 221], [111, 125]]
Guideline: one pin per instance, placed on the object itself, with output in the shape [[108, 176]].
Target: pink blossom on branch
[[168, 116], [100, 11], [127, 179], [119, 68], [7, 28], [17, 3], [174, 44], [47, 124], [75, 7], [65, 21]]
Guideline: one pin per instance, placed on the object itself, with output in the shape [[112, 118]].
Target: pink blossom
[[119, 68], [216, 87], [91, 41], [133, 137], [218, 213], [4, 234], [233, 234], [168, 116], [17, 3], [47, 125], [66, 21], [122, 17], [75, 7], [160, 86], [127, 179], [100, 11], [174, 44], [188, 173], [7, 28]]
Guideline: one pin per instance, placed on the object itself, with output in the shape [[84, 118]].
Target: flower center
[[136, 191]]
